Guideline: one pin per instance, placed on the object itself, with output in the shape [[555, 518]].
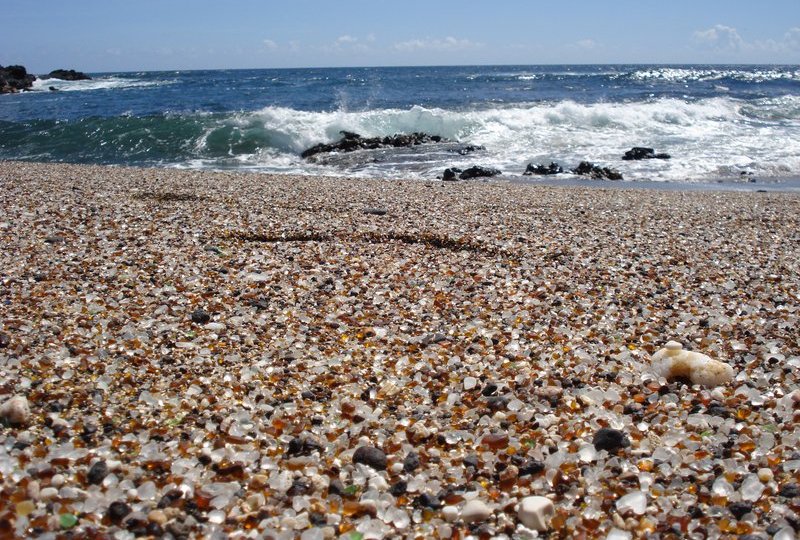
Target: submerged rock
[[638, 153], [672, 362], [68, 75], [478, 172], [350, 142], [15, 78], [542, 170], [451, 174], [586, 168]]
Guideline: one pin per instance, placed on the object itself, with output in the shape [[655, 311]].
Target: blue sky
[[131, 35]]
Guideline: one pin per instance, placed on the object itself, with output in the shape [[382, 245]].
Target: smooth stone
[[97, 472], [672, 362], [470, 383], [16, 411], [215, 327], [370, 456], [535, 512], [157, 516], [474, 511], [450, 513], [610, 440], [200, 316], [48, 493]]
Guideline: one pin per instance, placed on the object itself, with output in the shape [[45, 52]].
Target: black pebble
[[429, 501], [790, 491], [739, 509], [370, 456], [5, 340], [399, 488], [336, 487], [200, 316], [117, 511], [318, 519], [471, 461], [411, 463], [489, 389], [531, 467], [98, 471], [610, 440]]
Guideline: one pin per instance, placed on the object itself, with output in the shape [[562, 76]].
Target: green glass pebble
[[68, 521]]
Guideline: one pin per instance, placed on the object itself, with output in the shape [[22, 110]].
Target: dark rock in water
[[638, 153], [610, 440], [469, 148], [450, 175], [52, 88], [68, 75], [201, 316], [370, 456], [350, 142], [541, 170], [97, 473], [15, 78], [478, 172], [596, 172]]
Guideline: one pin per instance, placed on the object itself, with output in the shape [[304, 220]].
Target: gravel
[[489, 330]]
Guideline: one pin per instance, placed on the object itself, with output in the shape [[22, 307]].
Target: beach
[[305, 357]]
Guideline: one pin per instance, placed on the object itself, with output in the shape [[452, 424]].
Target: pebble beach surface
[[191, 354]]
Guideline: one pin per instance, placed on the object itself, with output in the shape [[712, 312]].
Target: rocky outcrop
[[542, 170], [638, 153], [350, 142], [68, 75], [586, 168], [15, 78], [465, 174]]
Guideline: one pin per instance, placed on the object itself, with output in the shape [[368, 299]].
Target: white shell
[[673, 362]]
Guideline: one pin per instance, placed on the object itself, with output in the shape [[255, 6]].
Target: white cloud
[[346, 40], [721, 37], [726, 39], [587, 44], [447, 44], [270, 45], [792, 39]]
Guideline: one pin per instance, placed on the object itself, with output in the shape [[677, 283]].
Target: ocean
[[718, 123]]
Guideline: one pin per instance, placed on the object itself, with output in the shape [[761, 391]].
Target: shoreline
[[772, 185], [223, 353]]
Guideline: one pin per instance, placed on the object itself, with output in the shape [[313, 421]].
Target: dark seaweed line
[[426, 239]]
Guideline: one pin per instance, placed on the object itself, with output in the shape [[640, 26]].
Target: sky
[[138, 35]]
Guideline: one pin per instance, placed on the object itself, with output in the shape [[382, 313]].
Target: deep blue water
[[716, 121]]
